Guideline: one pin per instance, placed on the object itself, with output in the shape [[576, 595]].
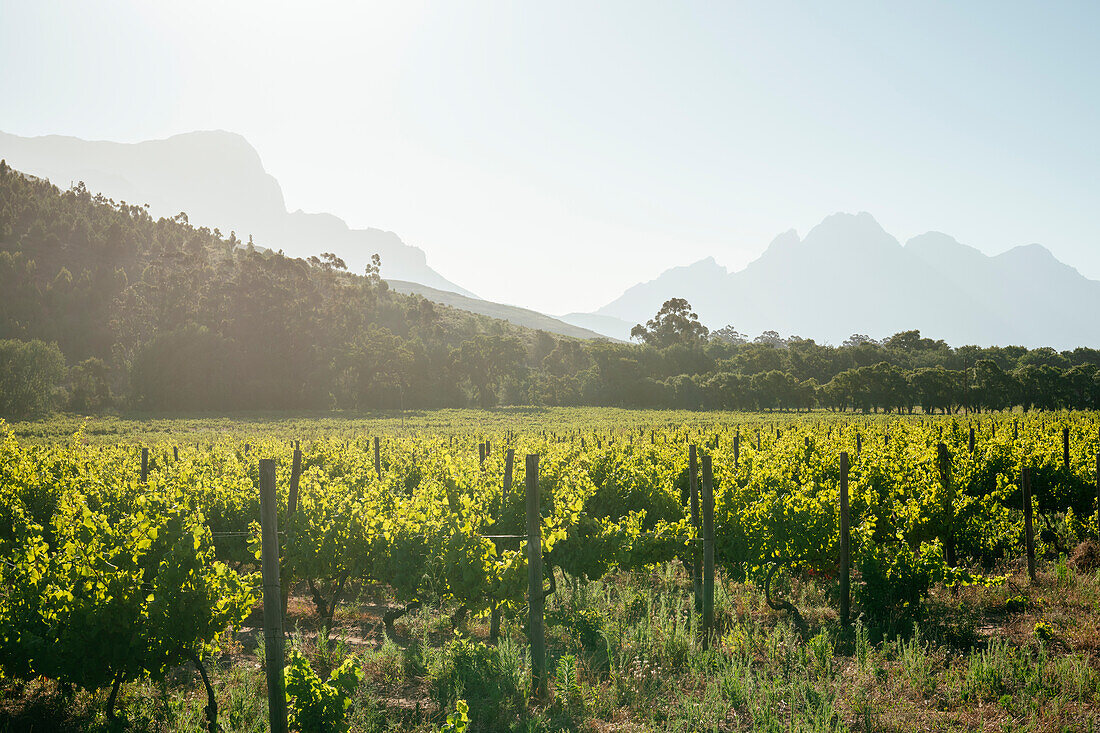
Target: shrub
[[1086, 557], [320, 707], [895, 580], [471, 670], [30, 377]]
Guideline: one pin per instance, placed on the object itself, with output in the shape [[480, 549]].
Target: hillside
[[104, 307], [513, 314], [850, 276], [218, 178], [168, 316]]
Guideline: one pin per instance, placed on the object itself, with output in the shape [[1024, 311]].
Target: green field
[[115, 590]]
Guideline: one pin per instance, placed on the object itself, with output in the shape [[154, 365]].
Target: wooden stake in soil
[[536, 598], [708, 552], [845, 546], [494, 616], [1098, 495], [1029, 526], [295, 481], [144, 464], [291, 510], [1065, 447], [274, 657], [377, 459], [736, 450], [696, 559], [944, 460], [509, 457]]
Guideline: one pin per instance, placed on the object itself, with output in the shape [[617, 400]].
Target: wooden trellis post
[[377, 458], [1029, 525], [845, 546], [944, 460], [708, 551], [696, 556], [274, 657], [536, 598]]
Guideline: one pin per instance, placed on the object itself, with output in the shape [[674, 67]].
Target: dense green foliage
[[320, 706], [105, 578], [160, 315], [30, 373]]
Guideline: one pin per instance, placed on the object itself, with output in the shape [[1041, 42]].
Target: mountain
[[616, 328], [511, 313], [849, 276], [217, 178]]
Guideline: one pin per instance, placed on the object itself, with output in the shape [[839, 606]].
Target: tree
[[486, 360], [756, 358], [992, 389], [91, 390], [371, 368], [729, 335], [674, 324], [771, 338], [858, 339], [936, 387], [30, 377]]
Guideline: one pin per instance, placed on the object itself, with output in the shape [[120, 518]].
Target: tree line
[[103, 307]]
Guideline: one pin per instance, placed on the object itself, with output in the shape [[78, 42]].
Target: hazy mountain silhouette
[[217, 178], [511, 313], [846, 276], [849, 276]]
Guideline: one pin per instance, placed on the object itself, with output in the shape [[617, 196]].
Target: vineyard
[[688, 572]]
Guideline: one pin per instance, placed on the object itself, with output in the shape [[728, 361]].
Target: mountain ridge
[[218, 178], [848, 275]]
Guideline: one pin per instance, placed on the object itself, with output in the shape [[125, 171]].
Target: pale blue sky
[[552, 154]]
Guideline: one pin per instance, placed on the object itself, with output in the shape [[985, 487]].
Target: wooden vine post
[[944, 460], [291, 510], [1029, 526], [971, 439], [1065, 447], [845, 544], [535, 594], [509, 457], [494, 614], [696, 559], [708, 551], [377, 459], [1098, 494], [144, 464], [274, 640]]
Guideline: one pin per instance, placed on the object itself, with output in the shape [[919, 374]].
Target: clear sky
[[551, 154]]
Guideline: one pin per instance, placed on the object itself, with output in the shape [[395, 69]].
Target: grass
[[624, 655], [152, 428]]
